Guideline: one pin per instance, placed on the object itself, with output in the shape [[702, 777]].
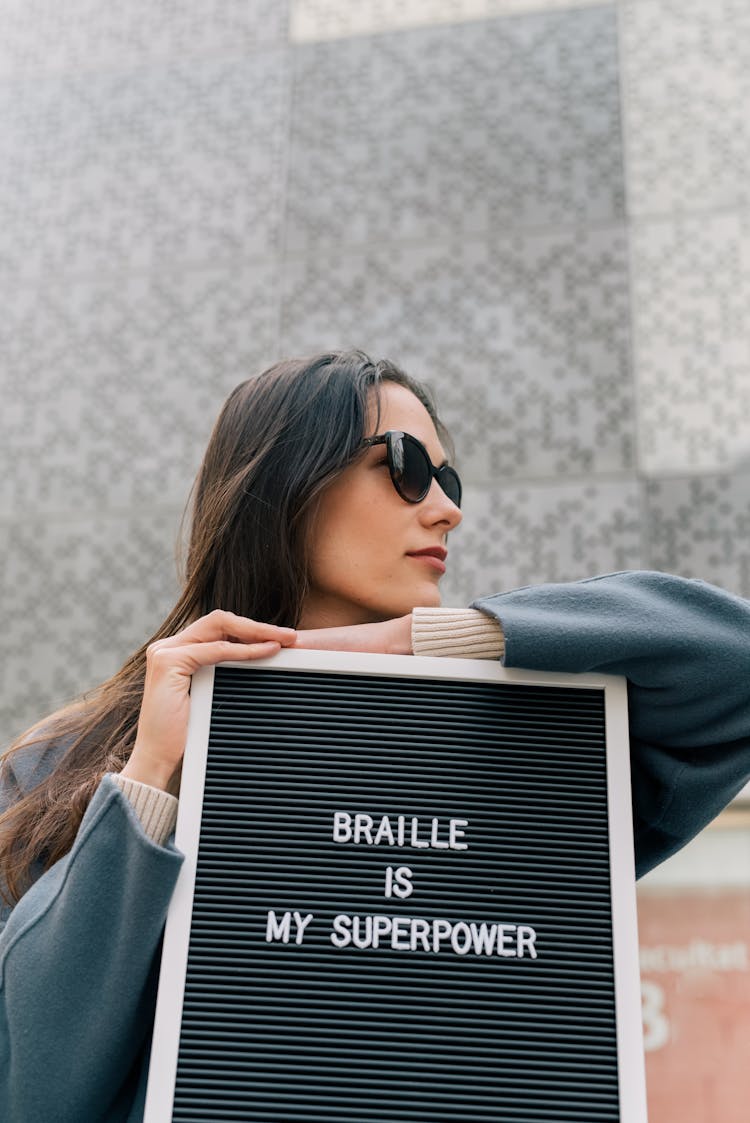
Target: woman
[[312, 508]]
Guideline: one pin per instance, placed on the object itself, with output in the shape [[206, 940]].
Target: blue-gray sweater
[[79, 954]]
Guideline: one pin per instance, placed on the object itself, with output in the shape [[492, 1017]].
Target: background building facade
[[541, 209]]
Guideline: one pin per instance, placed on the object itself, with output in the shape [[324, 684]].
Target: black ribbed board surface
[[274, 1031]]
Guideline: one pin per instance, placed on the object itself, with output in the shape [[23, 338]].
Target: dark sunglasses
[[411, 469]]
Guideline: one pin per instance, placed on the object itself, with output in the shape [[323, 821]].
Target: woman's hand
[[163, 720], [388, 637]]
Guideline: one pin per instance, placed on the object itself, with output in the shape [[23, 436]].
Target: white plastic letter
[[384, 831], [526, 938], [363, 825], [381, 926], [342, 826], [440, 929], [341, 935], [301, 925], [483, 936], [403, 887], [278, 929], [505, 935]]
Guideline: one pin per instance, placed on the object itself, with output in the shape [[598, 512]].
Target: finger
[[185, 660], [220, 624]]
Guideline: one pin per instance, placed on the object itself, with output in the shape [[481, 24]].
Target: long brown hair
[[280, 439]]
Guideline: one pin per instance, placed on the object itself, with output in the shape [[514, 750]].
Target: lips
[[432, 556], [438, 552]]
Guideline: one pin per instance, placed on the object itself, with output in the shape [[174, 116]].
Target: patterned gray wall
[[539, 208]]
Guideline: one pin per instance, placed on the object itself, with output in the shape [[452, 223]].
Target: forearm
[[683, 647], [682, 644], [76, 955]]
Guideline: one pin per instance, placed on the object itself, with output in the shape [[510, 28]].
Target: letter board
[[408, 895]]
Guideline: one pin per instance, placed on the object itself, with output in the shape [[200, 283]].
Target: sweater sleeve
[[460, 633], [684, 647], [156, 809], [79, 967]]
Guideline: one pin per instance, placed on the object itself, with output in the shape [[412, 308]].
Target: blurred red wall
[[695, 976]]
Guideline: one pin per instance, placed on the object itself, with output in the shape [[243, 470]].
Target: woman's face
[[361, 571]]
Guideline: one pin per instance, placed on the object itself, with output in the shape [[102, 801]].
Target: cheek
[[364, 528], [347, 530], [384, 521], [370, 542]]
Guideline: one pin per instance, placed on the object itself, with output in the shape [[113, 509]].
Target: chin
[[427, 597]]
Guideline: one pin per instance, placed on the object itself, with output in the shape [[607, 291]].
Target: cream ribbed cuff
[[459, 633], [156, 809]]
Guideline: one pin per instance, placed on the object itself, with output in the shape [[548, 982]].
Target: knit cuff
[[459, 633], [156, 809]]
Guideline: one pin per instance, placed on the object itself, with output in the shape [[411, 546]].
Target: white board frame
[[168, 1018]]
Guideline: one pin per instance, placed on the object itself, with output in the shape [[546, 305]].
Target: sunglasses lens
[[451, 485], [413, 472], [415, 477]]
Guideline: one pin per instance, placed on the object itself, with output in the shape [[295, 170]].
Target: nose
[[439, 508]]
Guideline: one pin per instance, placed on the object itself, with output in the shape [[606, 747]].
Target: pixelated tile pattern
[[691, 333], [498, 124], [700, 527], [325, 304], [45, 37], [333, 19], [78, 596], [686, 97], [524, 339], [524, 533], [110, 386], [181, 163]]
